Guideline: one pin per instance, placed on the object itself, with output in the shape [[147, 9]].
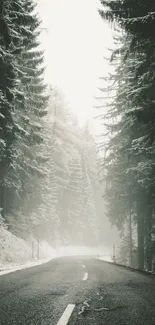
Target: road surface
[[77, 291]]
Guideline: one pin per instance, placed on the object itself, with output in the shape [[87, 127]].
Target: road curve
[[77, 291]]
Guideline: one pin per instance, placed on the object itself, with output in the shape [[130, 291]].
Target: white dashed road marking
[[66, 315], [85, 277], [83, 265]]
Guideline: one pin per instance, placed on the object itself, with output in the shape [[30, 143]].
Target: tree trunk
[[140, 234], [148, 223], [130, 236], [3, 174], [3, 199]]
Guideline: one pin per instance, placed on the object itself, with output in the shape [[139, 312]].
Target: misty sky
[[75, 43]]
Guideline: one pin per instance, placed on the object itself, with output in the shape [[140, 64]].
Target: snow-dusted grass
[[24, 266], [16, 253], [105, 258]]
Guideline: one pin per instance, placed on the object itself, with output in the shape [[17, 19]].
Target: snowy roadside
[[126, 266], [29, 264], [106, 259], [134, 269], [18, 254]]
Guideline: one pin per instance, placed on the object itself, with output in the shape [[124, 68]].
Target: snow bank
[[16, 253], [105, 258]]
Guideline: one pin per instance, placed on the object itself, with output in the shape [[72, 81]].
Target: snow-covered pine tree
[[136, 101], [30, 102], [27, 165], [9, 48], [71, 212], [37, 175]]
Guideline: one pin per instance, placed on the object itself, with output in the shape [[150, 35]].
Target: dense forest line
[[129, 166], [47, 163]]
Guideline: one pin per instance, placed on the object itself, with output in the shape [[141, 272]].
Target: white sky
[[75, 43]]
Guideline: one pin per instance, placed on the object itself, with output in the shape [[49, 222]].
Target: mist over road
[[77, 291]]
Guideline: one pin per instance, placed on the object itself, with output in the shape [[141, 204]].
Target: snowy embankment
[[16, 253], [105, 258]]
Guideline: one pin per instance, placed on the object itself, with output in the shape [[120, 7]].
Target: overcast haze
[[75, 42]]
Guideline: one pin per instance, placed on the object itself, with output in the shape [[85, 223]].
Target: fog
[[77, 162], [51, 194]]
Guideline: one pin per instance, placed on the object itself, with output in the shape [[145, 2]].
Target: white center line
[[83, 265], [85, 277], [66, 315]]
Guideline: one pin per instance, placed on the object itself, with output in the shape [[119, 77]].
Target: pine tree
[[31, 107], [135, 102], [8, 89]]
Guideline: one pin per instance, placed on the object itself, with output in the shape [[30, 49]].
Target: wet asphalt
[[111, 295]]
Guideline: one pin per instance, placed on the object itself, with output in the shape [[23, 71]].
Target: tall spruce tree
[[31, 107], [9, 37], [134, 103]]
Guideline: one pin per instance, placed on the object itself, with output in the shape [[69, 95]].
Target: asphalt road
[[89, 291]]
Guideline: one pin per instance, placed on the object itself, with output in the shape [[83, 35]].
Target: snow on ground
[[105, 258], [16, 253], [25, 266]]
